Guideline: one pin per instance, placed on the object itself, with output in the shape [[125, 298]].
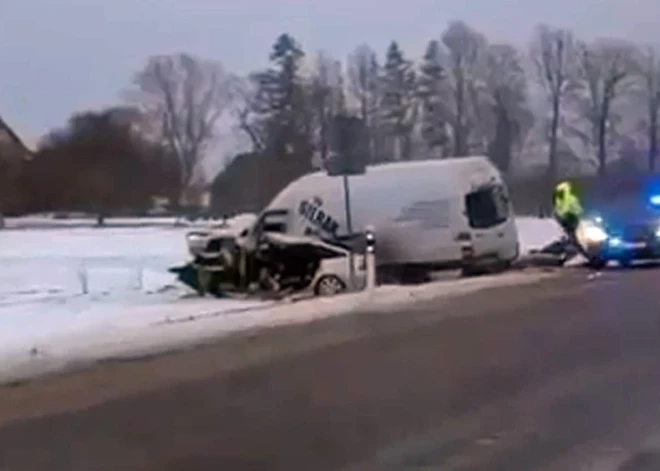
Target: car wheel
[[214, 286], [329, 285], [468, 271], [597, 263], [625, 263], [502, 266]]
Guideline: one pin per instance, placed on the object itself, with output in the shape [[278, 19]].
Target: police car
[[623, 230]]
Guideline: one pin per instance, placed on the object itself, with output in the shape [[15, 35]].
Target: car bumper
[[624, 250]]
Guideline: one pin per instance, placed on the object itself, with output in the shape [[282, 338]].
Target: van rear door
[[488, 212]]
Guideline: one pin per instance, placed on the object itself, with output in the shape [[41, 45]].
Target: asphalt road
[[560, 376]]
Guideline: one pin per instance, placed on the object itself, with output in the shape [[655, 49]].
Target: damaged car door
[[290, 263]]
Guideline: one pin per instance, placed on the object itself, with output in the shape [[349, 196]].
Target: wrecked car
[[262, 260]]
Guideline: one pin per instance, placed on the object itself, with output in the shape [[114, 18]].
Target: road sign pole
[[370, 257], [349, 152], [349, 229]]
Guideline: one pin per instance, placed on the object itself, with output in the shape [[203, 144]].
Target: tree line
[[559, 106]]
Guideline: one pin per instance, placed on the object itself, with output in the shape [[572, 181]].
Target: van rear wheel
[[468, 271], [497, 266], [413, 276]]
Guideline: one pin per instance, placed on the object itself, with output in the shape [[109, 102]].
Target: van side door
[[488, 212]]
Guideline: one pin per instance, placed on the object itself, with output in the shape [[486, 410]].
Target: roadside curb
[[202, 328]]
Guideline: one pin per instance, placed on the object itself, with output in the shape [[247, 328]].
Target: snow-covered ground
[[69, 294], [536, 233], [47, 221]]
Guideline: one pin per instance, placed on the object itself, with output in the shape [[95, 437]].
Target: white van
[[428, 215]]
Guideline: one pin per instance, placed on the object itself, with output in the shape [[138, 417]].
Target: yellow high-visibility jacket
[[565, 201]]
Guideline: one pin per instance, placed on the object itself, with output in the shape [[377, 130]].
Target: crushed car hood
[[304, 246]]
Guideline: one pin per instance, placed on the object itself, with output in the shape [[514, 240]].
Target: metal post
[[349, 228], [370, 255]]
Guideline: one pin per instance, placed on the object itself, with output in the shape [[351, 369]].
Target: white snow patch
[[63, 263], [184, 323], [46, 221], [88, 293], [48, 264], [535, 233]]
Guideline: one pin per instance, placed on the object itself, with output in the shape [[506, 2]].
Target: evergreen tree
[[281, 119], [399, 104], [432, 88], [280, 101]]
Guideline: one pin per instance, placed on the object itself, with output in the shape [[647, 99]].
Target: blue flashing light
[[655, 200], [615, 242]]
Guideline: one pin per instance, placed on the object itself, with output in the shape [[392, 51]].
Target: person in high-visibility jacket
[[567, 208]]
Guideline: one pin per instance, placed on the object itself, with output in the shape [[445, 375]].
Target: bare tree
[[327, 99], [507, 102], [244, 107], [364, 87], [554, 54], [604, 66], [649, 72], [184, 97], [466, 49]]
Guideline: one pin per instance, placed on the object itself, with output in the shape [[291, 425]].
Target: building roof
[[16, 139]]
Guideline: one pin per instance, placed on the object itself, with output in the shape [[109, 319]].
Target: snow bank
[[536, 233], [83, 294], [47, 270], [43, 263], [47, 221], [155, 329], [60, 264]]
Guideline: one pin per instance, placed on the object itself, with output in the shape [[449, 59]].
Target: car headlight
[[195, 237], [595, 234], [591, 232]]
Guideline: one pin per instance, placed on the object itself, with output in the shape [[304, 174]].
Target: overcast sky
[[59, 56]]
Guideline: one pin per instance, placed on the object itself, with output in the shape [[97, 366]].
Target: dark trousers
[[569, 224]]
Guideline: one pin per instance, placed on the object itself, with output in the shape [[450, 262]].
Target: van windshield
[[273, 221], [487, 207]]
